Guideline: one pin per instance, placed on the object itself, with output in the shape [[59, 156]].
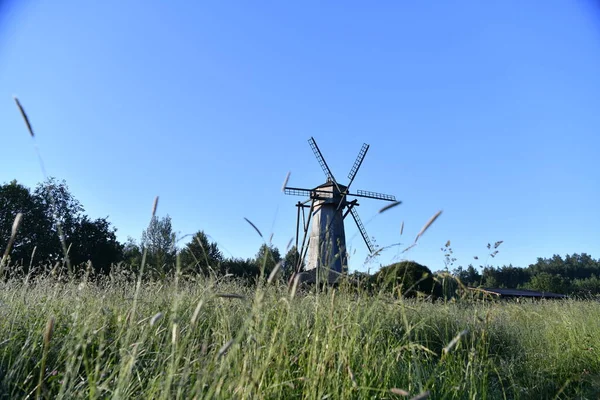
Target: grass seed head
[[48, 331], [197, 312], [224, 348], [389, 206], [15, 225], [24, 115], [454, 342], [273, 273], [428, 224], [254, 226], [154, 206], [155, 318]]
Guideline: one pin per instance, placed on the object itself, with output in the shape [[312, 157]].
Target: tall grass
[[221, 339]]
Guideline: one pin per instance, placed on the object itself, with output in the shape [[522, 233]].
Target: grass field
[[221, 339]]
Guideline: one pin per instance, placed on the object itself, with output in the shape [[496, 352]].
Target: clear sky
[[489, 111]]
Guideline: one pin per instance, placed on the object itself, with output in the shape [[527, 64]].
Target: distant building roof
[[502, 292]]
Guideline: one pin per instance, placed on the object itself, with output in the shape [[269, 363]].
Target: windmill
[[328, 204]]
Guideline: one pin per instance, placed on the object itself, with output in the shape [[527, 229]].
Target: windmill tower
[[324, 249]]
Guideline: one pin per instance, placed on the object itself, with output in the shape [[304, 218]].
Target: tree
[[63, 211], [34, 230], [290, 263], [469, 276], [267, 257], [546, 282], [95, 241], [201, 255], [246, 269], [84, 238], [43, 209], [159, 241], [506, 276], [132, 254]]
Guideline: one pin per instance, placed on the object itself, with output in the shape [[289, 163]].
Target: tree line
[[575, 274], [50, 212]]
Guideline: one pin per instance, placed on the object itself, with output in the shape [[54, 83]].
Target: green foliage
[[132, 254], [407, 278], [246, 269], [267, 257], [16, 198], [506, 276], [469, 276], [95, 241], [586, 287], [546, 282], [200, 255], [290, 263], [49, 205], [575, 274], [159, 241]]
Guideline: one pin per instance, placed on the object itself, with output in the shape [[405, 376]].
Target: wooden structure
[[324, 247]]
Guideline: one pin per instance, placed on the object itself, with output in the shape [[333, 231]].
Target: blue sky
[[485, 110]]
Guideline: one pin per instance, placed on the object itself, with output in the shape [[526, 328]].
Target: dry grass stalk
[[454, 342], [48, 331], [197, 312], [15, 226], [13, 236], [354, 384], [421, 396], [174, 334], [47, 337], [24, 114], [230, 296], [224, 348], [254, 226], [273, 273], [285, 182], [295, 283], [389, 206], [409, 247], [154, 206], [399, 392], [428, 224], [155, 318]]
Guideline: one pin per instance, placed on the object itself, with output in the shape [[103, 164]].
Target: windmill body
[[323, 251], [327, 240]]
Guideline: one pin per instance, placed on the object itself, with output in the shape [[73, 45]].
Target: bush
[[406, 278]]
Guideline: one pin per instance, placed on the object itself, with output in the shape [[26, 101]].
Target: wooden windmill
[[324, 249]]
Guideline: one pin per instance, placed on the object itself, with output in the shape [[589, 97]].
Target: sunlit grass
[[224, 339]]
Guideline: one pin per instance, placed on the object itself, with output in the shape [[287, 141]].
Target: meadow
[[221, 338]]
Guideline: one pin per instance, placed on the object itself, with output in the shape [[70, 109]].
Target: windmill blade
[[374, 195], [307, 192], [362, 230], [296, 191], [320, 159], [357, 163], [359, 159]]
